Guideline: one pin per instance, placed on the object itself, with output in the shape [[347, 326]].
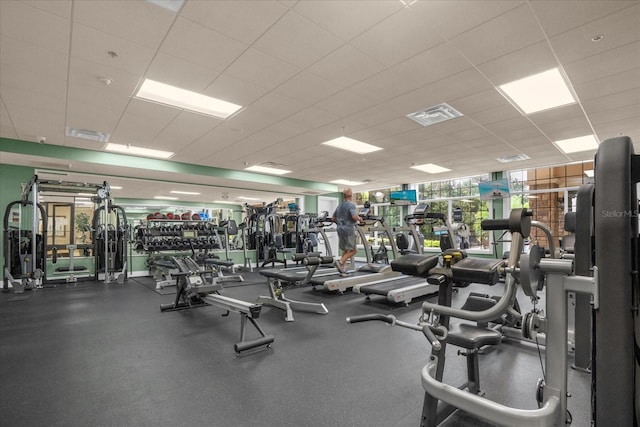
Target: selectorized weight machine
[[614, 289], [26, 239]]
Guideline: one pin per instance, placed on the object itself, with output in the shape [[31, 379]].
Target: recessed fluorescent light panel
[[436, 114], [589, 173], [346, 182], [165, 198], [87, 134], [350, 144], [226, 202], [539, 92], [171, 5], [264, 169], [138, 151], [189, 193], [115, 187], [514, 158], [575, 145], [430, 168], [248, 198], [182, 98]]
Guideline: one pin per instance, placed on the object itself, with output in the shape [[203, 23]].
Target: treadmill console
[[364, 212], [420, 211]]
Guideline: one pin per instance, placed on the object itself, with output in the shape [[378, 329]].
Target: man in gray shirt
[[346, 217]]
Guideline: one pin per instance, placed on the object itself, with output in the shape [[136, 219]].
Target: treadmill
[[365, 273], [404, 288]]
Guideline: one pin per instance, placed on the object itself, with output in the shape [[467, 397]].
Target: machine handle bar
[[429, 331]]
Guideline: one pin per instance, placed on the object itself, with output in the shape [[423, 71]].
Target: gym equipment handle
[[495, 224], [391, 320]]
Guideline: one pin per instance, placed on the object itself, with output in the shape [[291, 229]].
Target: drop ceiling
[[309, 71]]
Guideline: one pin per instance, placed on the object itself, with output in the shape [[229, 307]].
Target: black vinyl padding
[[165, 264], [414, 264], [570, 222], [477, 270], [289, 277], [216, 261], [470, 336]]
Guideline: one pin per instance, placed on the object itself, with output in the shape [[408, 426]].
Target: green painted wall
[[101, 157]]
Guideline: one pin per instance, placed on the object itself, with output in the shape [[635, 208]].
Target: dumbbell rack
[[170, 235]]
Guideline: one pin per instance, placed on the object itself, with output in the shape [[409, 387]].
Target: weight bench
[[194, 290], [216, 265], [162, 271], [279, 280]]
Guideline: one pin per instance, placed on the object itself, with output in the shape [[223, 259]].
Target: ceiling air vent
[[514, 158], [272, 165], [436, 114], [88, 134]]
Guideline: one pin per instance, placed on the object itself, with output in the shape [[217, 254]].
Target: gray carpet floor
[[92, 354]]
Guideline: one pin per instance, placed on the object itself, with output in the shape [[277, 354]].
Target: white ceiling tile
[[62, 8], [183, 130], [613, 101], [35, 26], [90, 103], [18, 56], [504, 34], [290, 110], [15, 96], [347, 18], [397, 38], [261, 69], [385, 85], [618, 29], [610, 84], [460, 85], [241, 20], [178, 72], [29, 129], [138, 21], [450, 18], [307, 88], [312, 118], [492, 115], [559, 16], [141, 122], [234, 90], [6, 125], [613, 61], [433, 64], [480, 101], [93, 45], [514, 129], [345, 66], [310, 44], [212, 50], [524, 62]]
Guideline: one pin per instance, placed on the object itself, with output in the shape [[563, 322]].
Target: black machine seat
[[294, 277], [414, 264], [472, 337], [477, 270], [219, 262], [165, 264]]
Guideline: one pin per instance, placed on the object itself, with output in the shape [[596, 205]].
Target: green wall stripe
[[91, 156]]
